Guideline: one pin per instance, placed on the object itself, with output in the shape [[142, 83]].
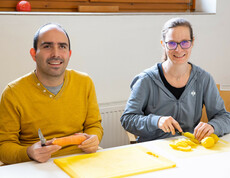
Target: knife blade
[[42, 138]]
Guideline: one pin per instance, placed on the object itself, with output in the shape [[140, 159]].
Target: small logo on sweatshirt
[[193, 93]]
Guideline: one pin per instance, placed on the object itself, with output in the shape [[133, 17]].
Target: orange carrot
[[69, 140]]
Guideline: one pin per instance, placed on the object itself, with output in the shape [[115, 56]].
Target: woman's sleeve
[[218, 117], [134, 118]]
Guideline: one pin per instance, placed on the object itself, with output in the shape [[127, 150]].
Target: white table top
[[209, 165]]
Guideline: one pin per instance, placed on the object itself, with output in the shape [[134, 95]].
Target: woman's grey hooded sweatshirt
[[150, 99]]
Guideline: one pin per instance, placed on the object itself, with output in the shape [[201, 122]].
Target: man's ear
[[70, 53], [33, 53]]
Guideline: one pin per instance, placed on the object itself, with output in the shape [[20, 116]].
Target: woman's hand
[[203, 130], [168, 124]]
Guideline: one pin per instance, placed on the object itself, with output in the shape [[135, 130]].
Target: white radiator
[[114, 134]]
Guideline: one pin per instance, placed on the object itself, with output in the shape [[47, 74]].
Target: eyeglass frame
[[177, 44]]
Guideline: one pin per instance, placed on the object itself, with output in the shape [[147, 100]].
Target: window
[[103, 5]]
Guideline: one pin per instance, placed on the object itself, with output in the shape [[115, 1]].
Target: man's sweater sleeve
[[92, 125], [10, 149]]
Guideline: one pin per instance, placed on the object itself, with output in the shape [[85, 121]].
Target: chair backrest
[[132, 137], [225, 94]]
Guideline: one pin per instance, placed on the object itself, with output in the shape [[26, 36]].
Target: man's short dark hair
[[35, 44]]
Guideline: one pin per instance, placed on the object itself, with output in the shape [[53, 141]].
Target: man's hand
[[168, 124], [90, 145], [42, 154], [203, 130]]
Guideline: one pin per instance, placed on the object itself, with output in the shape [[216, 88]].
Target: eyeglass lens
[[184, 44]]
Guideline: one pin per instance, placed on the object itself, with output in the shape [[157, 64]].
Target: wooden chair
[[225, 96], [132, 137]]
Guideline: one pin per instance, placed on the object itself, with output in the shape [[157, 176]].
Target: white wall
[[113, 49]]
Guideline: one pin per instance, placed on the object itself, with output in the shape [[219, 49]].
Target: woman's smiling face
[[178, 34]]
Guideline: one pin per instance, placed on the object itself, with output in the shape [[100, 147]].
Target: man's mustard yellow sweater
[[26, 105]]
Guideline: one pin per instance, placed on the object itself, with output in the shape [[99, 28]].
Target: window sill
[[103, 14]]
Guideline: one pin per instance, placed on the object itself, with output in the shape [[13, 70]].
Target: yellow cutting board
[[114, 163]]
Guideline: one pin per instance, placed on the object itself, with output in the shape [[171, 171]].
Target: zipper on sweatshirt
[[178, 110]]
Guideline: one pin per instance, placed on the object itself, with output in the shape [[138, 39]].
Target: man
[[59, 101]]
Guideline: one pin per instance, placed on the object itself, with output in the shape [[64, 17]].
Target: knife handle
[[180, 133]]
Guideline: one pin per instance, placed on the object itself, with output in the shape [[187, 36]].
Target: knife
[[180, 133], [189, 135], [186, 134], [42, 138]]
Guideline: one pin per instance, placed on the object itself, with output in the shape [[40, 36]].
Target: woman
[[170, 95]]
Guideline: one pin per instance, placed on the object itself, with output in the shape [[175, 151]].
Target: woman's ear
[[33, 53], [162, 44], [193, 41]]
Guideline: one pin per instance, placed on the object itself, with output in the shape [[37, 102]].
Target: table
[[210, 165]]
